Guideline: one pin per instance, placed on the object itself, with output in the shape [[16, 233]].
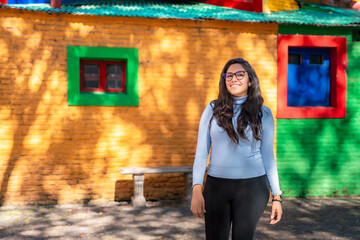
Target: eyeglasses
[[229, 76]]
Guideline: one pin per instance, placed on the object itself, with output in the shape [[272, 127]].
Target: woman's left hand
[[276, 212]]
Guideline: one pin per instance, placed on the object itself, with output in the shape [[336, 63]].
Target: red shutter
[[56, 4], [246, 5]]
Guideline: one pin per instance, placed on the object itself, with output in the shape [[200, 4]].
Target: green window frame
[[128, 98]]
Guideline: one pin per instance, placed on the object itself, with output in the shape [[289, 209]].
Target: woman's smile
[[237, 88], [235, 85]]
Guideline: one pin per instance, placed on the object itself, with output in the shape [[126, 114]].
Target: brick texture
[[320, 157], [54, 153]]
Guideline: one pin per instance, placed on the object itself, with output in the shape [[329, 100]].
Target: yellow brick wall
[[282, 5], [54, 153]]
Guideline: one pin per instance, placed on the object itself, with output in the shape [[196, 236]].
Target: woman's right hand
[[197, 202]]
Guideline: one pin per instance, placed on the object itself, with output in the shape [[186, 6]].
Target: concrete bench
[[138, 176]]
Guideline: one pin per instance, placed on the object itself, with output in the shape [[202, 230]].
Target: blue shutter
[[308, 77], [28, 1]]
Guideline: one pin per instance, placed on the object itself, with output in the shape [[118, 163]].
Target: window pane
[[91, 75], [309, 83], [114, 79], [295, 58], [316, 59], [356, 35]]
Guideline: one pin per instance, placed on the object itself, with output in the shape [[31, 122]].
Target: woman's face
[[236, 87]]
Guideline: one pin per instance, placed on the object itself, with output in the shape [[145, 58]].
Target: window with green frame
[[128, 96]]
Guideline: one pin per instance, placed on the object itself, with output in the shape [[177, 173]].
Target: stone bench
[[138, 176]]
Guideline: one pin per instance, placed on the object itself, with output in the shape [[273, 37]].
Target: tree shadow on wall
[[171, 131], [56, 145], [49, 138], [315, 154]]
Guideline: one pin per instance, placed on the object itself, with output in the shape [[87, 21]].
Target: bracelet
[[277, 199]]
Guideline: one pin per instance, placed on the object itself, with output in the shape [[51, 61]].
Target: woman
[[240, 132]]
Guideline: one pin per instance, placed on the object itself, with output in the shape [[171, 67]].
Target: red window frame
[[102, 73], [338, 62]]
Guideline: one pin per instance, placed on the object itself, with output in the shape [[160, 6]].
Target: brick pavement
[[311, 218]]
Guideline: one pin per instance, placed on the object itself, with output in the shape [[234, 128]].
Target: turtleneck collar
[[240, 100]]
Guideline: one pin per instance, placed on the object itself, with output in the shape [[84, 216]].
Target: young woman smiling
[[239, 129]]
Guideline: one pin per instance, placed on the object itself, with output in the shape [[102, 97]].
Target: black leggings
[[239, 202]]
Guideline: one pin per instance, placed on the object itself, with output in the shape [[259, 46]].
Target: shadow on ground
[[311, 218], [314, 218]]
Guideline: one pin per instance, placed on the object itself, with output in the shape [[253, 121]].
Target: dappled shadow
[[45, 140], [313, 218], [55, 153], [102, 222], [186, 82], [316, 156], [22, 102], [43, 117]]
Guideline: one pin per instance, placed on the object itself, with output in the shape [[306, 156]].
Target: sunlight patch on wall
[[15, 26], [33, 140], [34, 41], [181, 64], [181, 67], [82, 29], [6, 132], [16, 179], [54, 84], [140, 155], [5, 113], [192, 110], [4, 50], [124, 143], [37, 76], [157, 92], [118, 132]]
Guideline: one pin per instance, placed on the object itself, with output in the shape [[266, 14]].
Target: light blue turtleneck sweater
[[247, 159]]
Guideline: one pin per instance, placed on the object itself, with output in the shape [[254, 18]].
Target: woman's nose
[[234, 77]]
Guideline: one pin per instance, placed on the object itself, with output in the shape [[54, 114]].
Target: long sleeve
[[267, 151], [203, 147]]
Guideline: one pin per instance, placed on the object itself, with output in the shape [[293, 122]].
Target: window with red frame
[[102, 76], [311, 76]]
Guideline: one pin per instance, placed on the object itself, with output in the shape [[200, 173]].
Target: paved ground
[[311, 218]]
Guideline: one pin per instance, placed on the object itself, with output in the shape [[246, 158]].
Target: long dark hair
[[251, 113]]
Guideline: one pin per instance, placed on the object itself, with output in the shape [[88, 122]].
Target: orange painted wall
[[54, 153]]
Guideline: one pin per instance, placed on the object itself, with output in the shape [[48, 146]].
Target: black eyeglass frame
[[232, 75]]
